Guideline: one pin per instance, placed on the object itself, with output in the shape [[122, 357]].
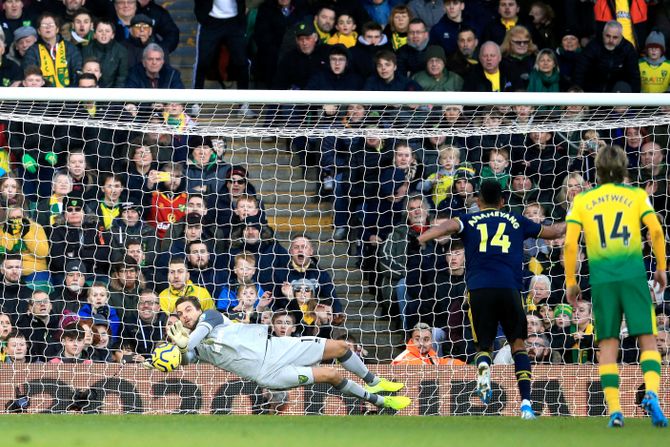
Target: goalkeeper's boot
[[484, 383], [652, 406], [396, 402], [616, 420], [527, 411], [384, 385]]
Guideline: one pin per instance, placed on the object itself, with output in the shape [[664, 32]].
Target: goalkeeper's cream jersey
[[237, 348]]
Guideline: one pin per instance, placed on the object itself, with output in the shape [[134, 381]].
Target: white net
[[299, 215]]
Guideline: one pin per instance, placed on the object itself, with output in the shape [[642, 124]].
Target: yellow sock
[[609, 379], [650, 363]]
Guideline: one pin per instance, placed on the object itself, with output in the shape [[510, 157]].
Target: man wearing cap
[[71, 292], [654, 67], [129, 225], [436, 78], [164, 26], [237, 184], [40, 327], [300, 63], [221, 22], [14, 16], [24, 38], [141, 35], [76, 236], [274, 20]]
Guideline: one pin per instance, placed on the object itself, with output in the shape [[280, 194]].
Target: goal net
[[298, 210]]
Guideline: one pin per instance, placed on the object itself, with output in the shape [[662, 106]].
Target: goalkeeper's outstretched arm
[[187, 342]]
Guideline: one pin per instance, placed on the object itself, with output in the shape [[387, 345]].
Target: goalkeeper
[[273, 362]]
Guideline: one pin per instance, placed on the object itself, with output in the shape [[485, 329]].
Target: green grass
[[317, 431]]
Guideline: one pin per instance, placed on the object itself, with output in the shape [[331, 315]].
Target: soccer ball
[[166, 357]]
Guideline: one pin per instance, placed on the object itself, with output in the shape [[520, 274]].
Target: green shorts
[[613, 300]]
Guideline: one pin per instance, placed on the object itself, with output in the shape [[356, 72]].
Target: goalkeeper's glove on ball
[[179, 336]]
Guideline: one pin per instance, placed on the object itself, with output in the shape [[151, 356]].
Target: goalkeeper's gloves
[[148, 365], [29, 163], [51, 158], [179, 336]]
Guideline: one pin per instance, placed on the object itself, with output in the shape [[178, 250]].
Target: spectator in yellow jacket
[[180, 285], [19, 234]]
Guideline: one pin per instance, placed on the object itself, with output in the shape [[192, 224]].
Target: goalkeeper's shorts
[[289, 360]]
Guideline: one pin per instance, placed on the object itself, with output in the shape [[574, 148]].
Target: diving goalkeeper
[[273, 362]]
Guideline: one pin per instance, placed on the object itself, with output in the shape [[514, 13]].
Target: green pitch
[[313, 431]]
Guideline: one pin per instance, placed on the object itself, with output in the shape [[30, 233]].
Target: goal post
[[321, 164]]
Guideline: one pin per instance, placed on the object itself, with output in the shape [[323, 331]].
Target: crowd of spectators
[[102, 230]]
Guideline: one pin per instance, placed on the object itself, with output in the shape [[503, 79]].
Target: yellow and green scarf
[[175, 121], [54, 68]]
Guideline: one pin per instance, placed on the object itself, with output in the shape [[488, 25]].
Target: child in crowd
[[16, 350], [560, 330], [534, 247], [244, 272], [440, 183], [97, 306], [92, 66], [109, 208], [72, 342], [175, 117], [497, 167], [246, 299], [283, 324], [83, 183], [100, 345], [168, 203], [654, 67], [346, 31], [582, 335]]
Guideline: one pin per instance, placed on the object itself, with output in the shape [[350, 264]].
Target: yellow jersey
[[610, 217], [169, 297]]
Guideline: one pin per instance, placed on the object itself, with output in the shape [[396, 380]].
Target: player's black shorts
[[488, 307]]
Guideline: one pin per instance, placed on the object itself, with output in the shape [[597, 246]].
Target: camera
[[592, 145]]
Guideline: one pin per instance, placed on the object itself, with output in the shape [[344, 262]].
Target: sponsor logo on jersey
[[302, 379]]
